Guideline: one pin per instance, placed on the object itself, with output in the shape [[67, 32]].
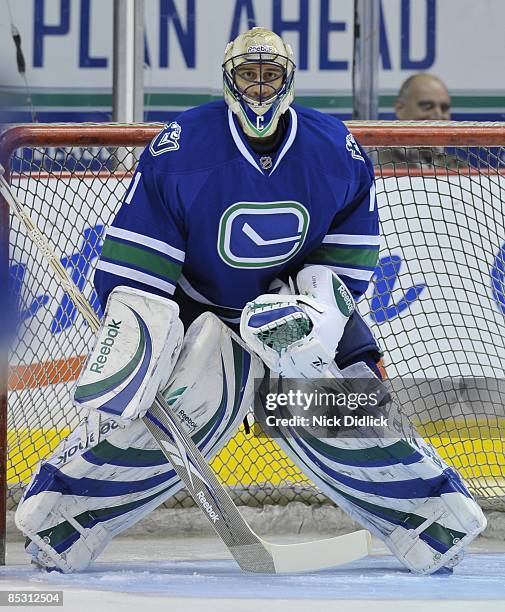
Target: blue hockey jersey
[[205, 212]]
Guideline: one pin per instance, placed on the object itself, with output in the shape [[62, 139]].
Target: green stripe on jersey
[[335, 256], [129, 255]]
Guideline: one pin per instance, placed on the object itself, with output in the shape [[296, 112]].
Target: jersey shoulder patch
[[167, 140], [196, 140], [352, 146]]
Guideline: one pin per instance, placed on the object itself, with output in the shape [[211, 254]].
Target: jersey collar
[[241, 142]]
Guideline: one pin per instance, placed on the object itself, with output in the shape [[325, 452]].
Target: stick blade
[[320, 554]]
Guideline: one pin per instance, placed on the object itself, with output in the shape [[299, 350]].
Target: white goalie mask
[[258, 80]]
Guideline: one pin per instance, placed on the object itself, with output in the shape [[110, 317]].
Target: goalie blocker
[[135, 352]]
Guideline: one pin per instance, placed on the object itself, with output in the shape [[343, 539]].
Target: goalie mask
[[258, 80]]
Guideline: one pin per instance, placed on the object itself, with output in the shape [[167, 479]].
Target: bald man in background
[[422, 97]]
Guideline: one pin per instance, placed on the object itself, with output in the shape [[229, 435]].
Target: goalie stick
[[251, 552]]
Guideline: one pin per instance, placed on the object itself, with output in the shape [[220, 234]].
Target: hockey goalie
[[245, 217]]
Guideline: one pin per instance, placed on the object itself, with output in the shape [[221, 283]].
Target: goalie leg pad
[[106, 476], [399, 489]]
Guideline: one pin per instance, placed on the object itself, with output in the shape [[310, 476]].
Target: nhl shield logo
[[266, 162], [167, 140]]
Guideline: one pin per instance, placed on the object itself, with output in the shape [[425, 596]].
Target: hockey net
[[436, 304]]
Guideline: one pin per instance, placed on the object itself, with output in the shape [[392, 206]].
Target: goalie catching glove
[[297, 335]]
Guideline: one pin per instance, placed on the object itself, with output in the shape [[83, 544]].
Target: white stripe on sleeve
[[357, 240]]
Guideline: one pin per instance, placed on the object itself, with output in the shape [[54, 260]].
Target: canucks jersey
[[205, 213]]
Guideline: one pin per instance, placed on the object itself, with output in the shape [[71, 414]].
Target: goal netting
[[436, 303]]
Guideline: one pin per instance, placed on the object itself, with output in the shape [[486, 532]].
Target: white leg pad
[[399, 489], [86, 493]]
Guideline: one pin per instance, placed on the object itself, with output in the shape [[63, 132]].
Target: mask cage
[[262, 59]]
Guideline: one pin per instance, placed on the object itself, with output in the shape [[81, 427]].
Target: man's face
[[259, 82], [428, 99]]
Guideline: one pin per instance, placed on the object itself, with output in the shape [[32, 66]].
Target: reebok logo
[[343, 298], [112, 330], [347, 298], [68, 453], [185, 418], [261, 49], [207, 507]]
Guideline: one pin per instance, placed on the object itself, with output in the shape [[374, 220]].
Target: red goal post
[[434, 312]]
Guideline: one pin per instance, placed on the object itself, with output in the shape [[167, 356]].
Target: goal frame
[[368, 134]]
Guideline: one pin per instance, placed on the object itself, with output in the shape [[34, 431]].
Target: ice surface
[[142, 577], [481, 576]]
